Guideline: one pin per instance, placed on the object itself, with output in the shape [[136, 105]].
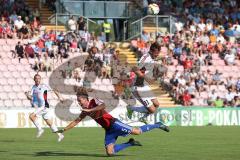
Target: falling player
[[95, 109], [38, 98], [141, 89]]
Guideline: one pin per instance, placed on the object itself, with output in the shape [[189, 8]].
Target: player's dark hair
[[36, 75], [155, 46], [81, 91]]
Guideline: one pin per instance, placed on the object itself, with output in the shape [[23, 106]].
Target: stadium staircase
[[128, 57], [45, 13], [149, 26]]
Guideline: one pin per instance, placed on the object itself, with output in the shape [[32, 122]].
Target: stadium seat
[[1, 103], [16, 88], [16, 74], [11, 81], [21, 95], [221, 88], [11, 67], [2, 42], [3, 81], [7, 61], [26, 103], [17, 103], [3, 95], [7, 74], [12, 95], [20, 67], [215, 56], [8, 103], [24, 74], [29, 81], [212, 87], [20, 81], [6, 48], [204, 95]]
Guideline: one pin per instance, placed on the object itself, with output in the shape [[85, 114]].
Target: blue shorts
[[117, 129]]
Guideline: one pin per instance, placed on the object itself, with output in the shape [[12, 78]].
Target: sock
[[148, 127], [37, 125], [141, 109], [119, 147], [53, 128]]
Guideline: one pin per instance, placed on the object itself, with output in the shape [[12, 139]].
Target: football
[[153, 9]]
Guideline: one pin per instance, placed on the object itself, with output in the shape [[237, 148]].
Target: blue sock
[[148, 127], [119, 147]]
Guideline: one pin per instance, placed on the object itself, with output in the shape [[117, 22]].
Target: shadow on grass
[[62, 154]]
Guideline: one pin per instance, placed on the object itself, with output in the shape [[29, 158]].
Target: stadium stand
[[189, 59]]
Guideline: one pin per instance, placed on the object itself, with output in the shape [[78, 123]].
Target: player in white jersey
[[141, 89], [38, 98]]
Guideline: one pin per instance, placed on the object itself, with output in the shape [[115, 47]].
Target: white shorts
[[144, 95], [44, 112]]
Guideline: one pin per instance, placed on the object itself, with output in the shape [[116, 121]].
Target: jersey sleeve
[[98, 101], [47, 88]]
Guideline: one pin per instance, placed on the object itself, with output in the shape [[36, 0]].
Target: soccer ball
[[153, 8]]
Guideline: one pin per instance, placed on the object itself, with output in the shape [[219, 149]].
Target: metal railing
[[62, 19], [161, 24], [95, 9]]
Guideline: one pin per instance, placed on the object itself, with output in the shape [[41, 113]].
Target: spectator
[[212, 96], [18, 25], [46, 64], [81, 25], [68, 70], [20, 51], [186, 98], [218, 103], [77, 72], [29, 51], [216, 79], [229, 97], [229, 59], [72, 24], [238, 84]]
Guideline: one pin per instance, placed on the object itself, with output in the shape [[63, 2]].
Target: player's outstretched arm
[[70, 126], [58, 95]]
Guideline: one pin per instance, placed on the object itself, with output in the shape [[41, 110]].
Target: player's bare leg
[[54, 129], [33, 118]]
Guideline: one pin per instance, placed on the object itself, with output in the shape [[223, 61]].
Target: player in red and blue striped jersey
[[95, 109]]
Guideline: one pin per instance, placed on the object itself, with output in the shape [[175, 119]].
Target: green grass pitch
[[182, 143]]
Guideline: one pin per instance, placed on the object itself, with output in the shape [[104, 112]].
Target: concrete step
[[155, 29]]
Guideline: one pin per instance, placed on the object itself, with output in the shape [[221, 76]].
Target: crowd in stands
[[206, 31], [184, 63], [18, 20]]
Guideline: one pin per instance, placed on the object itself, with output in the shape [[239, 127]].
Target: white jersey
[[147, 62], [39, 95]]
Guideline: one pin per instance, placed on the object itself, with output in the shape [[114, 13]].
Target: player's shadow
[[64, 154]]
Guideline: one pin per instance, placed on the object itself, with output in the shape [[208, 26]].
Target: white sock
[[54, 129], [37, 125], [141, 109]]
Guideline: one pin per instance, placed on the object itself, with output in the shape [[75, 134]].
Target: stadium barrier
[[179, 116], [198, 116]]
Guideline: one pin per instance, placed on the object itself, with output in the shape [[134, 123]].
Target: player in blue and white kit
[[38, 98], [141, 89]]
